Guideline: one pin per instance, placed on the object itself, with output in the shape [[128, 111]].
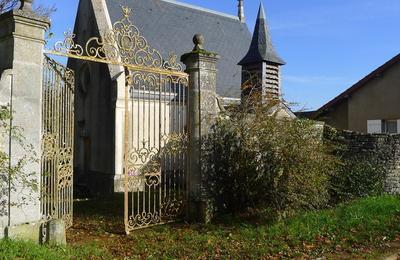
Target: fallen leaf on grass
[[308, 246]]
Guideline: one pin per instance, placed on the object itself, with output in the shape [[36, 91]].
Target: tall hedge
[[254, 159]]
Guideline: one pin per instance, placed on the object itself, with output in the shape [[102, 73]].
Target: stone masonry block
[[56, 232], [26, 232]]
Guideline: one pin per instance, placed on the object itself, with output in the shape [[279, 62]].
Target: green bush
[[359, 174], [255, 159], [12, 172], [358, 177]]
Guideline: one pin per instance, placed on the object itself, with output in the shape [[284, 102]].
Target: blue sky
[[328, 45]]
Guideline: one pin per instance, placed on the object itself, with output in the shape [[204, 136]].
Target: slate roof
[[261, 48], [363, 82], [170, 26]]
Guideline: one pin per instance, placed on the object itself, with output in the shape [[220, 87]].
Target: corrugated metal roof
[[170, 26]]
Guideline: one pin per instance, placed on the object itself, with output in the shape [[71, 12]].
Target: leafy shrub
[[255, 159], [356, 178], [359, 174], [13, 174]]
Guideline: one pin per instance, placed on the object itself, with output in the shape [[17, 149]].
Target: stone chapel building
[[167, 25]]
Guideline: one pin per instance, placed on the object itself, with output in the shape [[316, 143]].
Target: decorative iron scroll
[[144, 81], [65, 168], [144, 168], [49, 145], [173, 208], [156, 100], [57, 142], [122, 45], [143, 219], [156, 149]]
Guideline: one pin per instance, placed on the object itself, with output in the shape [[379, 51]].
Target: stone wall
[[384, 148]]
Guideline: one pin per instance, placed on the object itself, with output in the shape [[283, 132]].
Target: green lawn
[[359, 229], [24, 250]]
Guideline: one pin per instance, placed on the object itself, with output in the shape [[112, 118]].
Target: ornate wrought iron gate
[[155, 134], [57, 142], [155, 164]]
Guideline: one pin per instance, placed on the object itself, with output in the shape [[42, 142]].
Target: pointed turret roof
[[261, 48]]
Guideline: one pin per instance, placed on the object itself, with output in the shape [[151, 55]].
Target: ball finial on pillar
[[26, 5], [198, 41]]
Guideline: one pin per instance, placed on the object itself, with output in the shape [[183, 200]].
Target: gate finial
[[198, 41], [126, 11]]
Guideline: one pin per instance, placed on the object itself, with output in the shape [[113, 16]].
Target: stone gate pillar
[[22, 39], [202, 109]]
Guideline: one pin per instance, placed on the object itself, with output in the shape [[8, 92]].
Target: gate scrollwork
[[57, 142], [155, 136]]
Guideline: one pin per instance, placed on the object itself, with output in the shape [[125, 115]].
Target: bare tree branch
[[7, 5], [40, 10], [45, 11]]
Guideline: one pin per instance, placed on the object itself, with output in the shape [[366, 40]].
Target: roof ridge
[[388, 64], [201, 9]]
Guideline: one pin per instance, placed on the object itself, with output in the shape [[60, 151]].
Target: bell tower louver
[[261, 65]]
